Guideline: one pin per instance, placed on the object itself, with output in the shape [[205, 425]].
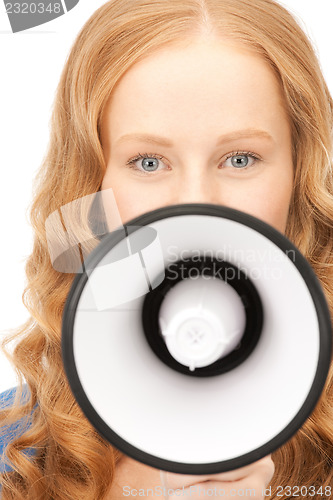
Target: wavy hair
[[72, 461]]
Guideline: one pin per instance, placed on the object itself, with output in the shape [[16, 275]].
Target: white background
[[31, 63]]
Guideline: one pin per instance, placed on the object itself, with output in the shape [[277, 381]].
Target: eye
[[146, 163], [241, 160]]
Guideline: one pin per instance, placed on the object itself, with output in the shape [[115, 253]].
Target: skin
[[192, 94]]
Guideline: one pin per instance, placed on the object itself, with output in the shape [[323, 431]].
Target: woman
[[236, 92]]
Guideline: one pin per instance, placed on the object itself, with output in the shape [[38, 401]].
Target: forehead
[[197, 86]]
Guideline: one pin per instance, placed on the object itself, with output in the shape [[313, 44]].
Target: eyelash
[[131, 162]]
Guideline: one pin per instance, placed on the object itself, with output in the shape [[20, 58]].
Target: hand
[[250, 481]]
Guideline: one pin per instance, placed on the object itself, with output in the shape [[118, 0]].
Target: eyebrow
[[225, 138]]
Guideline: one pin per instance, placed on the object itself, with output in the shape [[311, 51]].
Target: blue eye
[[150, 164], [241, 160], [146, 163]]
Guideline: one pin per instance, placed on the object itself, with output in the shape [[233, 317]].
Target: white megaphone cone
[[201, 320], [197, 339]]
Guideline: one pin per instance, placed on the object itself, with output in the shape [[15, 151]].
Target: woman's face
[[209, 117]]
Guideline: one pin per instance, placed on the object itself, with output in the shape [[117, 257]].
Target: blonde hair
[[72, 460]]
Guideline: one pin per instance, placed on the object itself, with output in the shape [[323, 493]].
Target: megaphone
[[197, 339]]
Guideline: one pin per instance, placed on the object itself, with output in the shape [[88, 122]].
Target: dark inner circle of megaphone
[[205, 267]]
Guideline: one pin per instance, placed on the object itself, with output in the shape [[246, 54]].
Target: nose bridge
[[196, 184]]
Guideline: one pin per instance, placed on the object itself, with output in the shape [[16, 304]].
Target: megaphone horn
[[197, 340]]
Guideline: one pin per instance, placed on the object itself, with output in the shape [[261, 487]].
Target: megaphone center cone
[[201, 321], [197, 335]]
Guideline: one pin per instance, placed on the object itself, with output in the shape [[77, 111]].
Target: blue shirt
[[14, 430]]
